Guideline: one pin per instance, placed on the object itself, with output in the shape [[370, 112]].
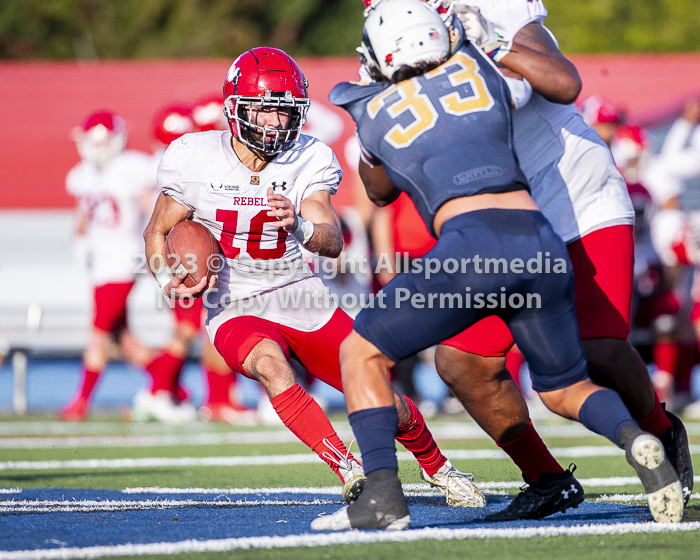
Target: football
[[193, 246]]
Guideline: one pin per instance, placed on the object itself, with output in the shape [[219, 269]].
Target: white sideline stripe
[[308, 540], [614, 481], [86, 506], [156, 435], [632, 497], [242, 491], [10, 490], [148, 440], [292, 459]]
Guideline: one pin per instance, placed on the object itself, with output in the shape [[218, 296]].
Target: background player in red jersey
[[263, 190]]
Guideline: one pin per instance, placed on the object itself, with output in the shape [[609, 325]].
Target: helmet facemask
[[269, 141]]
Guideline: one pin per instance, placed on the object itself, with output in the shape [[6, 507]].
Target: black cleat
[[678, 453], [552, 493]]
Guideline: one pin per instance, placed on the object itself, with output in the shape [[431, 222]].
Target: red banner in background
[[42, 102]]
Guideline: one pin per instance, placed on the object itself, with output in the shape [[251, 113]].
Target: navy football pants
[[546, 331]]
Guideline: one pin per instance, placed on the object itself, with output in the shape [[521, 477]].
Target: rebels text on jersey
[[201, 172], [442, 135]]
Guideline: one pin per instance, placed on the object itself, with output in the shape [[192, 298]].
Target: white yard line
[[291, 459], [347, 537], [149, 435], [85, 506]]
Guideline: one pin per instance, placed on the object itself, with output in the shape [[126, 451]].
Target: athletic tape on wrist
[[304, 231], [498, 54], [164, 276]]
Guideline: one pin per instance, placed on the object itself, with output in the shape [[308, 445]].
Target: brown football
[[193, 246]]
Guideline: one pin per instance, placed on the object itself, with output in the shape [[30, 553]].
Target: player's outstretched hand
[[176, 288], [283, 210]]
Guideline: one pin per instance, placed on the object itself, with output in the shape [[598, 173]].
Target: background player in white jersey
[[263, 190], [575, 183], [112, 187]]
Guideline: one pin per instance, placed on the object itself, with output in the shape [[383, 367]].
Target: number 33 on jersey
[[202, 173], [443, 134]]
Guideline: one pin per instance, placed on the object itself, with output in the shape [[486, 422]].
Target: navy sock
[[375, 430], [604, 413]]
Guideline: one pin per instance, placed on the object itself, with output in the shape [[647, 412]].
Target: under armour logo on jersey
[[566, 493], [275, 186]]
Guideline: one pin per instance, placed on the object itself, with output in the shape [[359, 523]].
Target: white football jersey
[[110, 197], [571, 172], [203, 173]]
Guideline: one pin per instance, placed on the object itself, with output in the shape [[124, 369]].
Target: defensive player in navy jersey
[[439, 128]]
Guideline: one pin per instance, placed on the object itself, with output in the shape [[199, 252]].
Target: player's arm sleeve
[[520, 91], [327, 177], [169, 176], [515, 14]]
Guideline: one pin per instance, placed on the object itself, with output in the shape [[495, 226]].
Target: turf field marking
[[631, 497], [148, 435], [346, 537], [86, 506], [10, 490], [291, 459], [614, 481]]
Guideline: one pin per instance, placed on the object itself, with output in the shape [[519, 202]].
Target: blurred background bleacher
[[60, 60]]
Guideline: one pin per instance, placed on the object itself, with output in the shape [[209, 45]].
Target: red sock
[[89, 382], [415, 436], [665, 355], [219, 386], [302, 415], [657, 423], [165, 372], [531, 455], [514, 363]]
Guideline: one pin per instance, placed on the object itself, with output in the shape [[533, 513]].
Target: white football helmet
[[446, 8], [403, 33]]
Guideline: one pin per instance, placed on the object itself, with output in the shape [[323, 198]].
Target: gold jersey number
[[463, 70]]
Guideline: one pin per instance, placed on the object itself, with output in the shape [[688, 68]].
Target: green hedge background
[[106, 29]]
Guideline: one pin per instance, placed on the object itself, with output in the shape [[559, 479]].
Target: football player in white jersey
[[112, 186], [575, 183], [263, 190]]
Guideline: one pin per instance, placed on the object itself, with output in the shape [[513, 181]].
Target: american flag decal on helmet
[[434, 35]]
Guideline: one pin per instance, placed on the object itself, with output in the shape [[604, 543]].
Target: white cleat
[[658, 477], [352, 472], [161, 407], [457, 487], [340, 521]]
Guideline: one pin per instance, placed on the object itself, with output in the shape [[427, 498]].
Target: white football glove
[[482, 33]]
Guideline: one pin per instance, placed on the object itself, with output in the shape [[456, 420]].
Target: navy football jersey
[[442, 135]]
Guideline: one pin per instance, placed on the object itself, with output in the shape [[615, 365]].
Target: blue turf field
[[55, 518]]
